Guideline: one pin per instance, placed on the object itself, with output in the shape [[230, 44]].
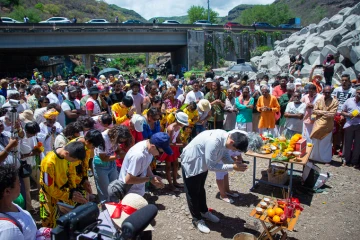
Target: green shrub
[[80, 69], [33, 14], [260, 50], [52, 9], [39, 6]]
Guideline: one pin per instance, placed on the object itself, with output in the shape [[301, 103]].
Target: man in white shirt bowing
[[208, 151]]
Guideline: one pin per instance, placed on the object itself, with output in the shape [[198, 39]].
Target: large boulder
[[279, 51], [323, 26], [345, 47], [355, 54], [308, 49], [313, 57], [351, 22], [316, 40], [255, 61], [344, 10], [336, 21], [354, 10], [284, 61], [275, 70], [293, 49], [351, 35], [312, 28], [283, 43], [305, 71], [339, 68], [268, 62], [328, 49], [303, 31], [357, 67], [334, 36]]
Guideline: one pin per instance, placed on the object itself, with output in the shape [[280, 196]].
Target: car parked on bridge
[[132, 22], [9, 20], [98, 21], [264, 25], [170, 22], [56, 20], [286, 26], [232, 24], [203, 22]]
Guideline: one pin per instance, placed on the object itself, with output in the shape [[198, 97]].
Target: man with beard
[[71, 106], [117, 94], [324, 110]]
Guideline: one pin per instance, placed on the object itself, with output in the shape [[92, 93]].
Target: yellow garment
[[267, 118], [119, 113], [56, 180], [144, 113], [184, 137], [51, 114], [82, 166], [193, 116]]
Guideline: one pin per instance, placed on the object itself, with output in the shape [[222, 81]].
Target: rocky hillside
[[312, 11], [339, 35], [236, 11], [84, 10]]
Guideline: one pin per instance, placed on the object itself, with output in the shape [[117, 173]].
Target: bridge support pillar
[[196, 49], [87, 60]]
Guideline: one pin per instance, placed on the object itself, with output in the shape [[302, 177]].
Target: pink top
[[170, 105], [278, 91], [308, 111]]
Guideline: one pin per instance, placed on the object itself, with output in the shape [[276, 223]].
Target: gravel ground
[[333, 214]]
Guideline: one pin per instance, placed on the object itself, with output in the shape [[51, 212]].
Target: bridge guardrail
[[120, 26]]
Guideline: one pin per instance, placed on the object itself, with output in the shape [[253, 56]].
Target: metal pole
[[209, 10]]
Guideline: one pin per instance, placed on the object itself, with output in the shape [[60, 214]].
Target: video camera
[[84, 219]]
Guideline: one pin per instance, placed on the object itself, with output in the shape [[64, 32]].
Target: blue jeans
[[104, 174], [199, 129]]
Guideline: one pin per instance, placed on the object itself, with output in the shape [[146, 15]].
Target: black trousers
[[195, 194], [218, 125], [328, 78]]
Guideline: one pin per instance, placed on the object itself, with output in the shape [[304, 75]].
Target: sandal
[[173, 188], [232, 194], [178, 185], [228, 200]]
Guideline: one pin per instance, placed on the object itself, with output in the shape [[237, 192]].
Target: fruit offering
[[271, 213], [276, 219], [279, 211]]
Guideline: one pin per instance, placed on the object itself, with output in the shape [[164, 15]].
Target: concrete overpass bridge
[[185, 42]]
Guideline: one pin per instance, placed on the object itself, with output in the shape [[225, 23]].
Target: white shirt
[[109, 147], [26, 146], [136, 162], [295, 124], [48, 142], [194, 96], [6, 127], [65, 106], [39, 115], [138, 100], [58, 99], [10, 231], [200, 156], [9, 159], [85, 91]]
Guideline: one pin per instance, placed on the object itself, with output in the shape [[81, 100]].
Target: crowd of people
[[120, 130]]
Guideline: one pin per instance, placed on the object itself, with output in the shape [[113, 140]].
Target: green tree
[[274, 14], [33, 14], [53, 9], [200, 13], [39, 6]]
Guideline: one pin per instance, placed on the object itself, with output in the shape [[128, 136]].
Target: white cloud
[[168, 8]]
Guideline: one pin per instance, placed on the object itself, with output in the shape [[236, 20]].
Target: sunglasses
[[160, 152]]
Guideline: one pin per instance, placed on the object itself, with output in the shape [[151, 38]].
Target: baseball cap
[[138, 122], [32, 82], [72, 89], [162, 140]]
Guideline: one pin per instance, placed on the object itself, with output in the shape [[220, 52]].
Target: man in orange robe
[[267, 105]]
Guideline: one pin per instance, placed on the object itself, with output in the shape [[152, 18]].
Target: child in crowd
[[192, 113], [173, 130]]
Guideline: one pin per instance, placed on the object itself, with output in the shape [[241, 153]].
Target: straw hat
[[127, 206], [204, 105], [26, 116], [318, 76]]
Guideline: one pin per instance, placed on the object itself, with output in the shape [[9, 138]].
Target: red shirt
[[136, 137], [278, 91]]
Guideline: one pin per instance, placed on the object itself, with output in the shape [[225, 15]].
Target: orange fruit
[[279, 211], [271, 212], [276, 219]]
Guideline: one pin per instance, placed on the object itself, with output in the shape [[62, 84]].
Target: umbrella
[[107, 71], [242, 67]]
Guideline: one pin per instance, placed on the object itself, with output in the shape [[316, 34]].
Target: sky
[[168, 8]]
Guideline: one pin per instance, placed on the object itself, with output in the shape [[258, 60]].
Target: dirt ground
[[332, 214]]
